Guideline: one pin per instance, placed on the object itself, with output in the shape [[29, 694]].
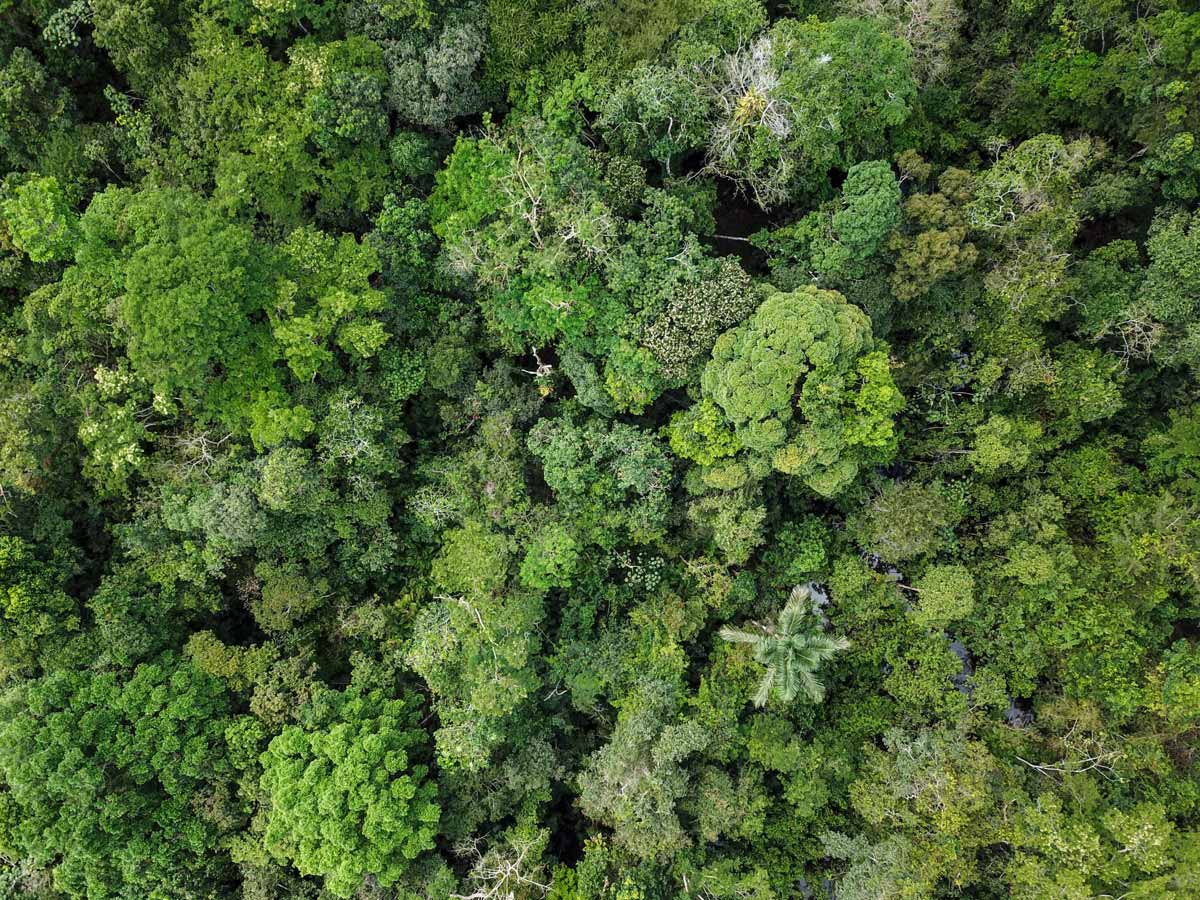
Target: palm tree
[[791, 655]]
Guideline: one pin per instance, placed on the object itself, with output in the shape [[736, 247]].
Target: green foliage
[[608, 480], [504, 356], [344, 800], [1026, 205], [474, 646], [1166, 297], [799, 550], [1004, 444], [734, 518], [40, 220], [35, 612], [836, 242], [552, 559], [1180, 683], [701, 434], [907, 519], [33, 105], [790, 655], [102, 772], [631, 378], [812, 349], [806, 97], [1061, 851], [935, 790], [946, 594], [656, 113], [207, 311], [696, 314], [870, 209], [634, 781], [329, 299], [932, 244], [432, 70], [187, 293], [755, 369]]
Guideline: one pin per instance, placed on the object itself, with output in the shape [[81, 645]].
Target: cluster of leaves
[[626, 450], [344, 802]]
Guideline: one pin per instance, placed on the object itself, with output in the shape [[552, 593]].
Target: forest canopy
[[599, 449]]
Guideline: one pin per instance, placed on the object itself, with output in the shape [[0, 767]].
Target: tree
[[1025, 205], [145, 39], [117, 780], [907, 519], [433, 74], [348, 109], [610, 479], [1106, 283], [35, 612], [33, 107], [695, 315], [633, 782], [791, 655], [933, 798], [734, 518], [836, 242], [510, 867], [345, 798], [931, 245], [945, 593], [1079, 850], [476, 645], [206, 311], [275, 136], [803, 99], [325, 300], [929, 27], [655, 113], [534, 236], [551, 559], [272, 18], [702, 435], [869, 210], [888, 868], [1167, 296], [811, 352], [41, 220]]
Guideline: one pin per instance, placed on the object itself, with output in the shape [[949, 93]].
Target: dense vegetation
[[599, 449]]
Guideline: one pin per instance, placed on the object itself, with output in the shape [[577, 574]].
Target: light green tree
[[791, 654], [345, 800], [41, 220], [946, 594], [804, 385]]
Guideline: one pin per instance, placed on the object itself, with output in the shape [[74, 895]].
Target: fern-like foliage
[[791, 654]]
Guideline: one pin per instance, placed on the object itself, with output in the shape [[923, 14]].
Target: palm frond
[[827, 646], [799, 594], [812, 685], [788, 680], [738, 636], [794, 611], [763, 694]]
